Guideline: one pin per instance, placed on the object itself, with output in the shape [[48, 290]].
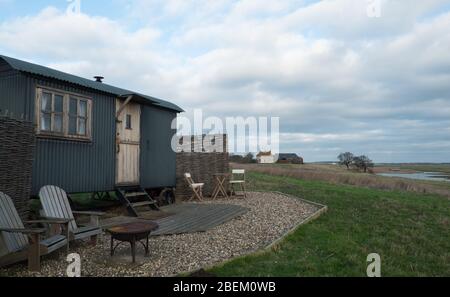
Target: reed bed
[[337, 175]]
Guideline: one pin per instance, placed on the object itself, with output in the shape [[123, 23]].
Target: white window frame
[[65, 115]]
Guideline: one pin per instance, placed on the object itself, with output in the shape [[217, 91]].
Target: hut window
[[63, 115], [58, 113], [51, 112], [128, 122], [78, 116], [46, 112], [73, 111]]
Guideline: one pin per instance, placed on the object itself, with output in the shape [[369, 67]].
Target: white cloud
[[54, 32], [337, 78]]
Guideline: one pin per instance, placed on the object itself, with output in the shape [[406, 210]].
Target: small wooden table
[[132, 233], [220, 179]]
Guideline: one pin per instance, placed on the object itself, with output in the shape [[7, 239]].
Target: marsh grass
[[338, 175]]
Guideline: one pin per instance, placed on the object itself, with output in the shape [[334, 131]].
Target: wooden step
[[135, 194], [143, 203], [125, 194]]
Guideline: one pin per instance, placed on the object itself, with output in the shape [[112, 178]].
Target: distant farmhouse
[[265, 158], [269, 158]]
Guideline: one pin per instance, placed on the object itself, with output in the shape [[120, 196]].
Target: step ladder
[[134, 198]]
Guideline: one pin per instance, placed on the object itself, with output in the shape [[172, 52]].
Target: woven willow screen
[[17, 143], [202, 160]]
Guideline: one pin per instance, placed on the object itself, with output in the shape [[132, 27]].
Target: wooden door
[[128, 143]]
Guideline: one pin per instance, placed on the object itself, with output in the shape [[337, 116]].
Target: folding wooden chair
[[238, 178], [197, 188]]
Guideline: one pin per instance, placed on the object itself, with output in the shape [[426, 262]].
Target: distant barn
[[91, 137], [289, 159]]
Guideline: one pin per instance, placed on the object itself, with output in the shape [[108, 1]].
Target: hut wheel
[[167, 196]]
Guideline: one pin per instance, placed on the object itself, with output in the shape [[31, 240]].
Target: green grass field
[[410, 231]]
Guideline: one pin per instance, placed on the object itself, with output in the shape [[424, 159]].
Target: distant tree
[[363, 162], [346, 159], [249, 158], [236, 159]]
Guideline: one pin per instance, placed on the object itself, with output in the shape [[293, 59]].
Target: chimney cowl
[[99, 79]]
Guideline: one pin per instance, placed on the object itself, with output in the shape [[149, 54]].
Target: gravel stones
[[271, 215]]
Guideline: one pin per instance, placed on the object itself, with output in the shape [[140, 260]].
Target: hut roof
[[35, 69]]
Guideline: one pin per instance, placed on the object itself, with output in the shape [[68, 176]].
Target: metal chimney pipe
[[99, 79]]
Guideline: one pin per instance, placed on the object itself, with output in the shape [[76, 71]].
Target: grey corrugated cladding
[[35, 69], [88, 167], [75, 166], [12, 92], [158, 160]]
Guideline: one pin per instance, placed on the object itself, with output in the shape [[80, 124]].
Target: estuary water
[[436, 176]]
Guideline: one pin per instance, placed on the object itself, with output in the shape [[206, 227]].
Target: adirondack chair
[[55, 204], [19, 243]]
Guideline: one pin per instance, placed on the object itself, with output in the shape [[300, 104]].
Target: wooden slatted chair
[[18, 243], [238, 178], [197, 188], [55, 204]]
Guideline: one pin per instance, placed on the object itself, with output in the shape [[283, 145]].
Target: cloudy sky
[[338, 79]]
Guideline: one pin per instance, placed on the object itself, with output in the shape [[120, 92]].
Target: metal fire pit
[[132, 233]]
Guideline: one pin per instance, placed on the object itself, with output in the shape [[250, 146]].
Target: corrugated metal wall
[[77, 166], [158, 160], [12, 92], [89, 167]]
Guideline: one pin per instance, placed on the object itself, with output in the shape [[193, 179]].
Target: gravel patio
[[270, 216]]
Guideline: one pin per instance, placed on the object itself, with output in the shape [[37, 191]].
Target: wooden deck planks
[[203, 218], [188, 218]]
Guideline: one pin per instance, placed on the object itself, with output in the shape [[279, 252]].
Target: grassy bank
[[409, 230]]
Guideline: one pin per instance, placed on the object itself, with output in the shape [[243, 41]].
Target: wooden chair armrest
[[24, 231], [89, 213], [50, 221]]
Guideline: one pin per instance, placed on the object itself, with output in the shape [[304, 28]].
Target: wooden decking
[[187, 218]]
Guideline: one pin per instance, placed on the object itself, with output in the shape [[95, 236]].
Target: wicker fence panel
[[202, 166], [202, 143], [17, 144]]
